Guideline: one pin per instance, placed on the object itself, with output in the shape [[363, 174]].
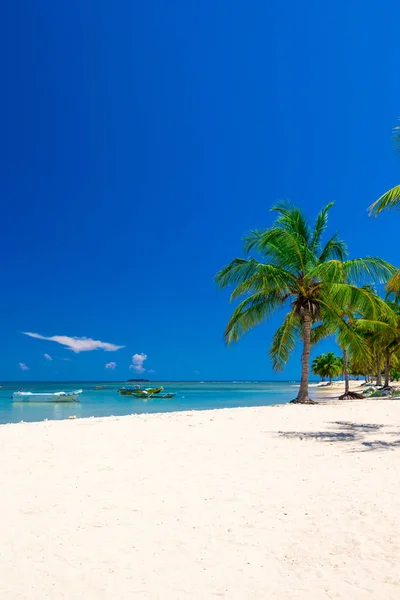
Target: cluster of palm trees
[[321, 290]]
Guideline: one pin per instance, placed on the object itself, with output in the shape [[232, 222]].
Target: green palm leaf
[[254, 309], [390, 199], [284, 340], [321, 223], [334, 248]]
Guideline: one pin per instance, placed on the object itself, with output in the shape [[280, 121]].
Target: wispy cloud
[[151, 371], [76, 344], [137, 362], [23, 367], [47, 356], [111, 365]]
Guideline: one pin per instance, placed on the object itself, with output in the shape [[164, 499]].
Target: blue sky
[[140, 140]]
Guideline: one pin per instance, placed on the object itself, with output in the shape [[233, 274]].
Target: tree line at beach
[[325, 293]]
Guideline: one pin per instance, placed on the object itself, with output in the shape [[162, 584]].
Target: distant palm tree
[[311, 279], [317, 367], [327, 365], [391, 198]]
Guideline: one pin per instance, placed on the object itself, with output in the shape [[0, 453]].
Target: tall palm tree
[[391, 198], [299, 272]]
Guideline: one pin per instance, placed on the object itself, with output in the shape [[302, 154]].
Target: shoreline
[[240, 503], [322, 394]]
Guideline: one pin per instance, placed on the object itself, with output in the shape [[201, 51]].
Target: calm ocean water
[[107, 401]]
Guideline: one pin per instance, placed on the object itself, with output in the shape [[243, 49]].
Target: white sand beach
[[288, 502]]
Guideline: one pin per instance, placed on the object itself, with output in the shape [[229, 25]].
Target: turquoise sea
[[107, 401]]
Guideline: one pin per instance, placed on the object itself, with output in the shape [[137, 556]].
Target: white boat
[[47, 396]]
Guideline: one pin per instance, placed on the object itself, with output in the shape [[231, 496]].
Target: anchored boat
[[47, 396], [136, 391]]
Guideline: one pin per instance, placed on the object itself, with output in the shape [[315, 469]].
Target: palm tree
[[317, 367], [391, 198], [347, 353], [298, 272], [327, 365]]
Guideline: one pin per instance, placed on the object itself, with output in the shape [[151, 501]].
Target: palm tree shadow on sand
[[355, 434]]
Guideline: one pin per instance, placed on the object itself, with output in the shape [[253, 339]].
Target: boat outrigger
[[47, 396]]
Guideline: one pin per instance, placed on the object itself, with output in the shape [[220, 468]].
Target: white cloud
[[111, 365], [23, 367], [137, 362], [76, 344], [151, 371], [47, 356]]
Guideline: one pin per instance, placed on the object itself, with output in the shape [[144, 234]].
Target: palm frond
[[321, 332], [321, 223], [239, 270], [292, 220], [393, 285], [357, 300], [390, 199], [358, 270], [284, 340], [370, 268], [251, 239], [267, 278], [371, 326], [335, 248], [346, 334], [249, 313], [280, 246]]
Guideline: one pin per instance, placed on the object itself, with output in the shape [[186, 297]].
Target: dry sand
[[289, 502]]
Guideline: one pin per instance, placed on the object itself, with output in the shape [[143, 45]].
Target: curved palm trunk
[[378, 369], [303, 397], [346, 372], [387, 361]]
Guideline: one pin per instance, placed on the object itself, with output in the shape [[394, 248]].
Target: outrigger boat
[[136, 391], [47, 396]]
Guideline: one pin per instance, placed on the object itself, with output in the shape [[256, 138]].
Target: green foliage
[[394, 374], [327, 365], [388, 200]]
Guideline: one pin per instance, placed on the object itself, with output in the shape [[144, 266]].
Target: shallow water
[[107, 401]]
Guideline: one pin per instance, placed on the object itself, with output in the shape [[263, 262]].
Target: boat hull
[[140, 393], [43, 397]]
